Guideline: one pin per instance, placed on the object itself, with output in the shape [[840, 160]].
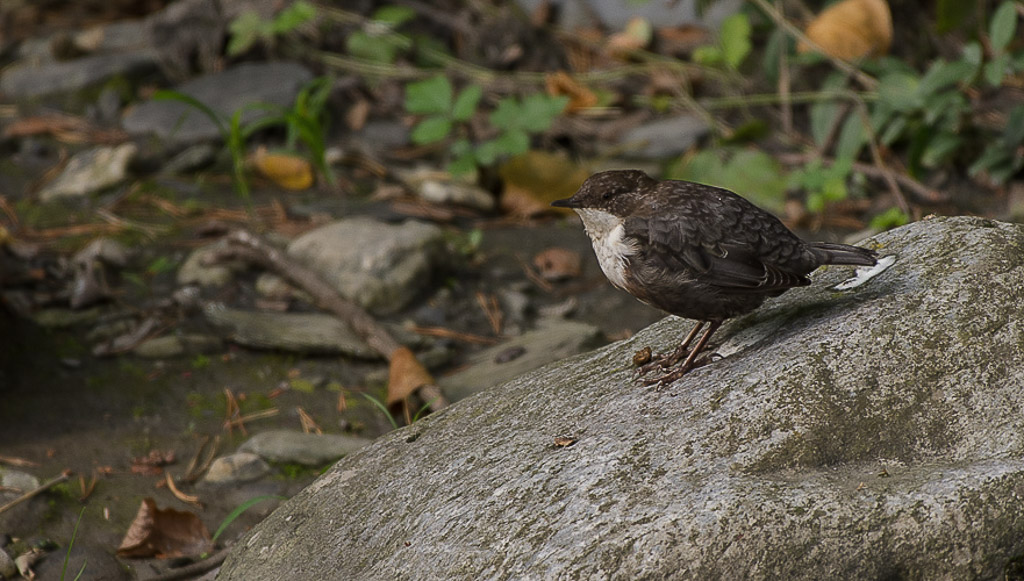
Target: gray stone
[[17, 482], [236, 468], [553, 340], [90, 171], [662, 138], [379, 266], [273, 83], [866, 433], [195, 271], [177, 346], [24, 81], [301, 448], [298, 332]]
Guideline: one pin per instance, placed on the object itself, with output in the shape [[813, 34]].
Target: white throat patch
[[608, 235]]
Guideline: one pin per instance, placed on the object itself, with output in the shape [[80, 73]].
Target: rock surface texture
[[875, 432]]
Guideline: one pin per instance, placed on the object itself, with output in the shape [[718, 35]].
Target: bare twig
[[920, 191], [42, 488], [246, 246], [863, 78]]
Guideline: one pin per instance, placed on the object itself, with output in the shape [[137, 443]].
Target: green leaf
[[430, 96], [293, 17], [852, 138], [995, 69], [943, 74], [539, 110], [507, 114], [708, 55], [754, 174], [891, 218], [899, 90], [461, 147], [1002, 26], [394, 15], [430, 130], [823, 113], [940, 148], [735, 39], [487, 152], [1013, 133], [777, 42], [465, 104], [244, 33], [972, 54], [462, 165], [377, 49], [513, 142]]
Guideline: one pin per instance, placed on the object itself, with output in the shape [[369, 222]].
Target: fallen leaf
[[852, 29], [405, 375], [580, 97], [164, 533], [288, 171], [636, 35], [535, 179], [556, 264]]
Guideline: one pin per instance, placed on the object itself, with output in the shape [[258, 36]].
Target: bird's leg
[[668, 360], [690, 359]]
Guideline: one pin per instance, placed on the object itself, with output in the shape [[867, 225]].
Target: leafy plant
[[377, 41], [754, 174], [732, 46], [446, 113], [67, 554], [305, 121], [249, 28]]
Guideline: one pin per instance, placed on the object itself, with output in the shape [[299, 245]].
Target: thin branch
[[863, 78]]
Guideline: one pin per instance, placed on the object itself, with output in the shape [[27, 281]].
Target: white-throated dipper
[[694, 251]]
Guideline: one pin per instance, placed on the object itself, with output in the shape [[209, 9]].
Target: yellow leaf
[[288, 171], [535, 179], [852, 29]]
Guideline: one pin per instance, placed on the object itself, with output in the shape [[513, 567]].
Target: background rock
[[90, 171], [274, 83], [381, 267], [869, 433], [300, 448], [551, 341]]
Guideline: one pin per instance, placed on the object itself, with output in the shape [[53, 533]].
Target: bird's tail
[[830, 253]]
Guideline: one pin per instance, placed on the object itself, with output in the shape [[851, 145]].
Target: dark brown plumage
[[695, 251]]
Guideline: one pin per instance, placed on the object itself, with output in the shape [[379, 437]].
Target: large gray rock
[[238, 88], [867, 433]]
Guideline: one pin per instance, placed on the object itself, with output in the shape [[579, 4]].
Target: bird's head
[[616, 192]]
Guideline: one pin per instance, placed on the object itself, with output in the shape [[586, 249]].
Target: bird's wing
[[726, 251]]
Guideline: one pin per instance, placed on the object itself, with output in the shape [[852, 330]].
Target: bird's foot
[[646, 363], [665, 379]]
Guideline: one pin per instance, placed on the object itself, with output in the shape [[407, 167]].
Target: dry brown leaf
[[164, 533], [288, 171], [635, 36], [681, 39], [580, 97], [405, 375], [852, 29], [357, 115], [558, 263]]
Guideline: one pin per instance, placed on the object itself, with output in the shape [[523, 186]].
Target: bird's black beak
[[566, 203]]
